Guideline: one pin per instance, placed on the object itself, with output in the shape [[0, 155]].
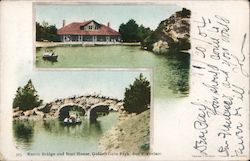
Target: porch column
[[80, 38]]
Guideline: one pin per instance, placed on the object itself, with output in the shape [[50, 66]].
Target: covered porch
[[90, 38]]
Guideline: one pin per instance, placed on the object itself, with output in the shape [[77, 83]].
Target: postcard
[[124, 80]]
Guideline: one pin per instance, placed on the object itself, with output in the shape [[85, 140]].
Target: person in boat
[[70, 120], [52, 53], [78, 119], [66, 120]]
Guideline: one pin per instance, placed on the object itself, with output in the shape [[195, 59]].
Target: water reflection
[[85, 136], [86, 128], [179, 65], [23, 132], [171, 75]]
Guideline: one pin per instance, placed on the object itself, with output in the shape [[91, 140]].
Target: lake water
[[53, 136], [170, 72], [170, 82]]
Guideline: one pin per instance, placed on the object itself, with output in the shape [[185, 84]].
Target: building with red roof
[[88, 31]]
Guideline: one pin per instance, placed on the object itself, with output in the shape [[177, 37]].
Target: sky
[[148, 15], [61, 84]]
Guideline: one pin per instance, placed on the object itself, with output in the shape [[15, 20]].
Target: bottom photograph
[[83, 111]]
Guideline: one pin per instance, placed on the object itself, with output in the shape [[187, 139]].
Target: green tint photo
[[86, 112], [117, 36]]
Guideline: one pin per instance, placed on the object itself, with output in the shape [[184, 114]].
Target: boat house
[[88, 31]]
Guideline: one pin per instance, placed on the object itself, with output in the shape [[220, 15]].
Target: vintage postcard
[[124, 80]]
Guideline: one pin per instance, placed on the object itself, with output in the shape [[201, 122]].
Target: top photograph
[[111, 36]]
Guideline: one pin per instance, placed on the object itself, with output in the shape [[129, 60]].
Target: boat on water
[[72, 121], [50, 55]]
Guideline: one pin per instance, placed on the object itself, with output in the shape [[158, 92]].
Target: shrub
[[137, 96]]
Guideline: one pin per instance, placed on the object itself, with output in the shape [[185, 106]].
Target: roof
[[74, 29]]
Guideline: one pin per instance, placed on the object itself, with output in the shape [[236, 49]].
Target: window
[[90, 27], [81, 27]]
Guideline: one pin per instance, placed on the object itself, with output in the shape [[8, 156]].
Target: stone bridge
[[88, 104]]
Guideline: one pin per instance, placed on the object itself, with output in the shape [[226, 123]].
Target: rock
[[54, 107], [82, 102], [45, 108], [40, 107], [23, 117], [160, 47], [109, 102], [119, 105], [28, 112], [171, 34], [133, 114], [67, 100], [17, 114], [113, 108], [39, 113], [16, 109]]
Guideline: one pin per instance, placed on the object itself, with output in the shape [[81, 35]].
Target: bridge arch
[[98, 109], [63, 110]]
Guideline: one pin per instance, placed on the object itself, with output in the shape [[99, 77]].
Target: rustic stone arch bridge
[[88, 105]]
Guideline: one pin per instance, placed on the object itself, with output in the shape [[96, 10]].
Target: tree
[[137, 96], [143, 32], [26, 98], [38, 32], [17, 99], [132, 32], [46, 32], [129, 31]]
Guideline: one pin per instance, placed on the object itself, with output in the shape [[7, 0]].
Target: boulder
[[160, 47], [54, 107], [18, 114], [39, 113], [113, 108], [28, 112]]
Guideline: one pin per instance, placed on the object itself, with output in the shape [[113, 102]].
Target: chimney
[[64, 22], [108, 24]]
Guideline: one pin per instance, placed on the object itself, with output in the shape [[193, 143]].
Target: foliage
[[145, 147], [143, 32], [132, 32], [137, 96], [45, 31], [26, 98]]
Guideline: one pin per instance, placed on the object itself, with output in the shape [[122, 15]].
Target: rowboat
[[70, 121], [50, 55]]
